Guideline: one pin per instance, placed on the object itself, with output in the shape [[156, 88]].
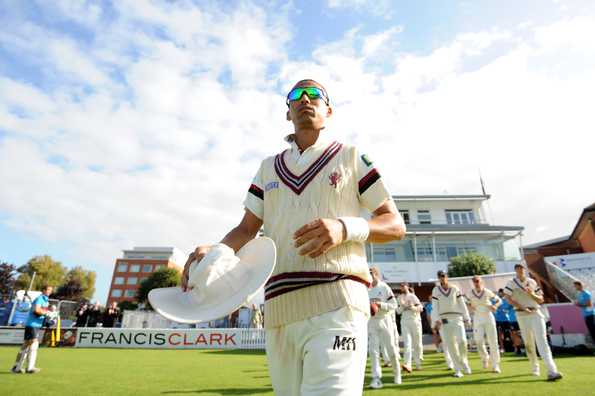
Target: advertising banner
[[170, 338], [11, 335]]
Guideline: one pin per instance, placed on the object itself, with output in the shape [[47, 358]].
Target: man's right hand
[[197, 255], [438, 325]]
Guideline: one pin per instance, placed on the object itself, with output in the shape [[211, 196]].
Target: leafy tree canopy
[[470, 264]]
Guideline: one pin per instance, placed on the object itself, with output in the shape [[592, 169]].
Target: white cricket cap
[[221, 283]]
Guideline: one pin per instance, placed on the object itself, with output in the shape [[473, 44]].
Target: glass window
[[130, 293], [134, 268], [119, 280], [460, 216], [122, 267], [384, 253], [424, 217], [133, 280], [147, 268], [159, 266], [117, 293], [405, 215]]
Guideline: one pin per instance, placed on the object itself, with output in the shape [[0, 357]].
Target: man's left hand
[[319, 236]]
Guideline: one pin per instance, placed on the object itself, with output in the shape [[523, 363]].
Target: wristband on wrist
[[356, 228]]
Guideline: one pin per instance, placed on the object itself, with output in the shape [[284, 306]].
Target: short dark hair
[[500, 290], [315, 82], [46, 286], [578, 283], [519, 265]]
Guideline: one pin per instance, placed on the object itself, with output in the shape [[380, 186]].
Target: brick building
[[138, 264], [575, 253]]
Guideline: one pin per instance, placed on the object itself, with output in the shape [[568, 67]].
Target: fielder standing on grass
[[28, 351], [410, 308], [526, 297], [449, 314], [381, 329], [484, 323], [309, 199]]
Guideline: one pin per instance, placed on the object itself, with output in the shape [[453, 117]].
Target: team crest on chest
[[335, 178]]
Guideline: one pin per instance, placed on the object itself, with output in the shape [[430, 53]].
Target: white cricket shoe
[[398, 379], [458, 374], [497, 370], [554, 376], [375, 383], [467, 369], [535, 372]]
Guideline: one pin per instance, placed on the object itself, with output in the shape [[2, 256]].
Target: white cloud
[[377, 7], [152, 139]]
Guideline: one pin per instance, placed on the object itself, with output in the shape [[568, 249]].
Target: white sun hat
[[221, 283]]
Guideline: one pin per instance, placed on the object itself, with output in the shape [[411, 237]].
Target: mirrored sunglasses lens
[[295, 94]]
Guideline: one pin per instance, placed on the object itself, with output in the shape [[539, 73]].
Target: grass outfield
[[72, 371]]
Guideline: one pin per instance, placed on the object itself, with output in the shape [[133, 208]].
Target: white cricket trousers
[[381, 332], [533, 332], [321, 356], [447, 358], [412, 341], [455, 339], [484, 326]]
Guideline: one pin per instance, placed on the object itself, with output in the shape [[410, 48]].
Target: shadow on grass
[[220, 391], [247, 352], [455, 382]]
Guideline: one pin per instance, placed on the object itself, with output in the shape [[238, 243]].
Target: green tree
[[47, 271], [470, 264], [7, 278], [79, 285], [163, 277]]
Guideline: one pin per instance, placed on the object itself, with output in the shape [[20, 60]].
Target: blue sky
[[137, 123]]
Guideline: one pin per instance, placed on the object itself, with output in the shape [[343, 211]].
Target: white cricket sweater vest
[[481, 302], [515, 289], [291, 189], [448, 303]]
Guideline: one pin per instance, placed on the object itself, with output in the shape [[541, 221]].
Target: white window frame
[[424, 212], [405, 215], [460, 217]]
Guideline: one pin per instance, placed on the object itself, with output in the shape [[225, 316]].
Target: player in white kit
[[309, 199], [483, 303], [449, 313], [410, 309], [381, 329], [526, 297]]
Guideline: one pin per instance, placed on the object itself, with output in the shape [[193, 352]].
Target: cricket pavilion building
[[440, 227]]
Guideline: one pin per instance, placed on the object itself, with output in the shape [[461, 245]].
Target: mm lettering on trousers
[[344, 343]]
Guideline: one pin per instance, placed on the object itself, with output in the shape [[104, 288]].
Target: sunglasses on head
[[312, 92]]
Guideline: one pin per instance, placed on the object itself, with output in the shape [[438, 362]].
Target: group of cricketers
[[450, 314]]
